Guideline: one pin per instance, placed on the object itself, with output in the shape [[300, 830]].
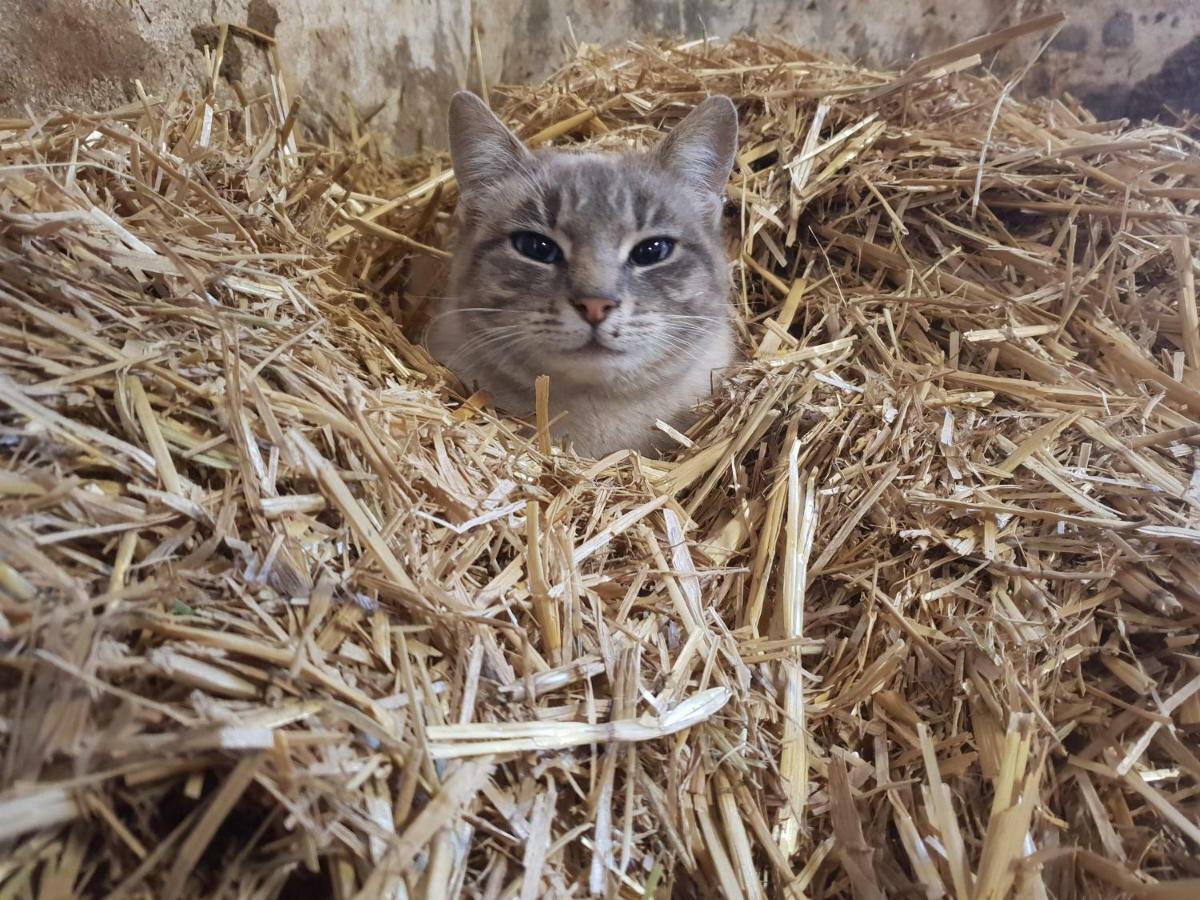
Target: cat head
[[603, 269]]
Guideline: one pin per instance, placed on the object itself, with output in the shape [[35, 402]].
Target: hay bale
[[913, 612]]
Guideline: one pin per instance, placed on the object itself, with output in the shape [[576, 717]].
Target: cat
[[605, 271]]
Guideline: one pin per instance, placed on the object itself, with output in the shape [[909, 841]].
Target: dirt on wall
[[401, 59], [55, 51], [398, 59]]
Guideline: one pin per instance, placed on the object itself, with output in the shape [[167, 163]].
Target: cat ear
[[701, 148], [482, 148]]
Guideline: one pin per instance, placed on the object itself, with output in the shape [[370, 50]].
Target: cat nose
[[594, 309]]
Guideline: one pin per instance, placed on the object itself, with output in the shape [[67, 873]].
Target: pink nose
[[594, 309]]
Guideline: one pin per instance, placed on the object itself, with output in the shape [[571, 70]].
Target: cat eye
[[536, 246], [650, 251]]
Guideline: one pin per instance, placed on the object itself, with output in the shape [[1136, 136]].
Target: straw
[[911, 611]]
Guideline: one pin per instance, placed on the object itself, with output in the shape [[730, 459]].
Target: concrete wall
[[1121, 57], [407, 56], [404, 57]]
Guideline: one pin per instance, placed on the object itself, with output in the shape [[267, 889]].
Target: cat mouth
[[594, 347]]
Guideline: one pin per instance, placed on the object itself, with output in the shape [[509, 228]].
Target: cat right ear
[[701, 148], [482, 149]]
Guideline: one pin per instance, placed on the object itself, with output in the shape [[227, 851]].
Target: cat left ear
[[482, 149], [701, 148]]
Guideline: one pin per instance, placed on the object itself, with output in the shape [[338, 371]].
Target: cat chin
[[590, 367]]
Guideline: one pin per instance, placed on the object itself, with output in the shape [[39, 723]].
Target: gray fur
[[510, 319]]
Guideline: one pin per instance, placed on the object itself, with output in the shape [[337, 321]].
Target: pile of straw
[[912, 612]]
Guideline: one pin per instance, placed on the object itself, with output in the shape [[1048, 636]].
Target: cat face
[[597, 269]]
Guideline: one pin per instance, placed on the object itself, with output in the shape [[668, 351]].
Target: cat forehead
[[594, 169], [628, 187]]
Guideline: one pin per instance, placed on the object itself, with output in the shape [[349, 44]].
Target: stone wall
[[400, 59]]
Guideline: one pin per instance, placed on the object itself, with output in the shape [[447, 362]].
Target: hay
[[913, 612]]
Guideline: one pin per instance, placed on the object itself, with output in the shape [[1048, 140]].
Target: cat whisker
[[678, 347], [482, 309], [491, 336], [485, 338], [692, 335], [662, 343]]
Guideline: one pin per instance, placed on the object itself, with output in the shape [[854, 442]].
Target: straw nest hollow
[[912, 612]]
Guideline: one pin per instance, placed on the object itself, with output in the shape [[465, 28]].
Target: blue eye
[[650, 251], [536, 246]]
